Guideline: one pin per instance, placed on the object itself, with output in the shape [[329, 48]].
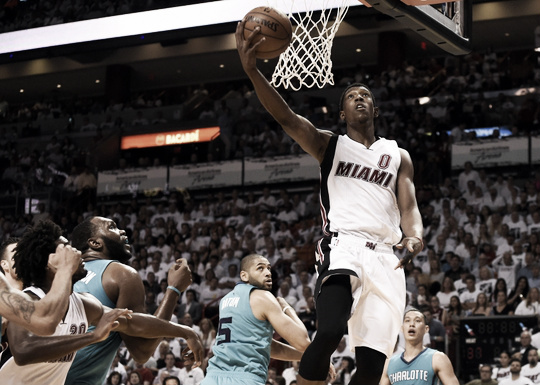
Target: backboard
[[445, 23]]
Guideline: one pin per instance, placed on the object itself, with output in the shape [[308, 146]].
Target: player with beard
[[106, 250], [418, 364], [248, 316], [46, 360]]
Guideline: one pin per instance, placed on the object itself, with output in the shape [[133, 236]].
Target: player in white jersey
[[16, 306], [74, 322], [367, 198]]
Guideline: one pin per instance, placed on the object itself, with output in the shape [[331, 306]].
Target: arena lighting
[[169, 138], [133, 24]]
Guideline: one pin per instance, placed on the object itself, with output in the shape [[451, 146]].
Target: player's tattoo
[[18, 304]]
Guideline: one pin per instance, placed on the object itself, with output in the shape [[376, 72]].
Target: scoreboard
[[481, 339]]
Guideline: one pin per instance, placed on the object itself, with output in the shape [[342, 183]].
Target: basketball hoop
[[307, 61]]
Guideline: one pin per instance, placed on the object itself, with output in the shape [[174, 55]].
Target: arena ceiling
[[207, 54]]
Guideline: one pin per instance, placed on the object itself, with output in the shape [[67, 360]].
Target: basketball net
[[307, 61]]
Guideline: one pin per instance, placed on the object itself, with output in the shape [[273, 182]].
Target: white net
[[307, 61]]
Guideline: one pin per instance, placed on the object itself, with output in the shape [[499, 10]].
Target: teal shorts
[[231, 378]]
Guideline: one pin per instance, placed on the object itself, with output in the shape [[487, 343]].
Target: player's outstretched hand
[[414, 245], [108, 323], [246, 47], [195, 349], [65, 258], [179, 275]]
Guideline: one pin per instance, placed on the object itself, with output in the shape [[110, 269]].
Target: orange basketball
[[275, 27]]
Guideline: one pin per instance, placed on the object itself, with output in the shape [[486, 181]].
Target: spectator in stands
[[437, 331], [530, 305], [469, 296], [482, 305], [485, 376], [525, 346], [506, 268], [501, 306], [494, 201], [502, 370], [466, 175], [519, 292], [169, 370]]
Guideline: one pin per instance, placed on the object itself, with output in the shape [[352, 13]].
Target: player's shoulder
[[262, 295], [118, 268], [439, 359]]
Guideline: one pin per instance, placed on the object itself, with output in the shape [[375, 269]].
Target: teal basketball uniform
[[416, 372], [92, 363], [242, 347]]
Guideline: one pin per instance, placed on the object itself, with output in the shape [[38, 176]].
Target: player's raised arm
[[42, 317], [312, 140]]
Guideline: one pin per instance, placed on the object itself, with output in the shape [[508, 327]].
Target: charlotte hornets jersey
[[418, 371], [358, 187], [242, 347], [93, 362], [51, 372]]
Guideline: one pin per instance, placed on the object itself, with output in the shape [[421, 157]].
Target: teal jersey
[[242, 347], [92, 363], [418, 371]]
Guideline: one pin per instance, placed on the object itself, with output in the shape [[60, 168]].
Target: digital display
[[482, 339]]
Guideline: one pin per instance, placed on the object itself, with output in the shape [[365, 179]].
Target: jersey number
[[224, 331]]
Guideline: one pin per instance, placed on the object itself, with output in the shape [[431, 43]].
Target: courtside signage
[[170, 138]]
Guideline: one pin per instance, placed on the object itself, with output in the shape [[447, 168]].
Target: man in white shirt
[[515, 375], [169, 370], [190, 375], [468, 296], [532, 369]]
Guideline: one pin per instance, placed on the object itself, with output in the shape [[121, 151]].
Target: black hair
[[413, 309], [354, 85], [3, 248], [171, 378], [6, 243], [32, 252], [81, 233], [115, 373], [246, 262]]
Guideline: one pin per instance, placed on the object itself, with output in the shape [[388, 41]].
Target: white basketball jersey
[[358, 187], [54, 372]]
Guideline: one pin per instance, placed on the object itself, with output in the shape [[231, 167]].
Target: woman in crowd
[[114, 378], [500, 285], [529, 306], [208, 333], [519, 293], [454, 314], [482, 306], [135, 379], [501, 306], [448, 290]]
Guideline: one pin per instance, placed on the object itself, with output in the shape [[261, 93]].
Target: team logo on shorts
[[371, 245]]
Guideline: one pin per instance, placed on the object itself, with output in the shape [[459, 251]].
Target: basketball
[[275, 27]]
